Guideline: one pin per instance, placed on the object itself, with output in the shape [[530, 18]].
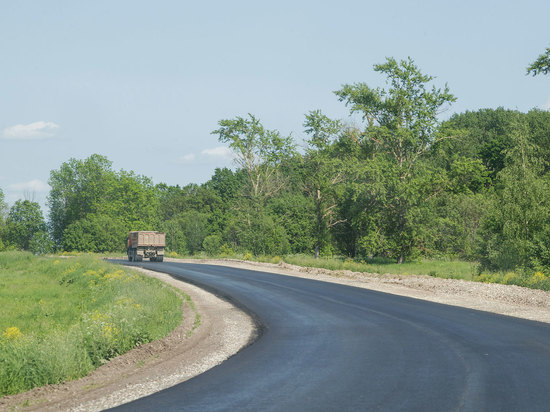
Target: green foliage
[[256, 232], [96, 233], [41, 243], [402, 185], [175, 238], [194, 226], [467, 175], [3, 207], [257, 150], [323, 172], [62, 318], [402, 125], [186, 232], [212, 244], [78, 188], [405, 114], [520, 216], [541, 65], [440, 268], [25, 220], [456, 227], [226, 184], [486, 138], [533, 280], [295, 214], [87, 195]]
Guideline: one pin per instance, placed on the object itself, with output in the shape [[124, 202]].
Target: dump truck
[[146, 244]]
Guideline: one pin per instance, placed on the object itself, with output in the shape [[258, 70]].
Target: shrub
[[212, 244]]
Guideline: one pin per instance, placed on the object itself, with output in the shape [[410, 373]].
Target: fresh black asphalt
[[329, 347]]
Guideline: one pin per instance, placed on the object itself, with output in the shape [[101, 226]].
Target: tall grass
[[60, 318], [437, 268], [448, 269]]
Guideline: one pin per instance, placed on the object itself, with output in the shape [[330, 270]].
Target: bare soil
[[224, 330]]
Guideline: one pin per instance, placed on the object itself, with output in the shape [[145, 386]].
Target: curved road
[[330, 347]]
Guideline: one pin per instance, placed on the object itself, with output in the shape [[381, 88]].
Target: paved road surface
[[329, 347]]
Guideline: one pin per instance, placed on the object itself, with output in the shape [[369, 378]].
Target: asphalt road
[[328, 347]]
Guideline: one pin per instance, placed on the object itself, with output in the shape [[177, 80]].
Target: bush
[[212, 245], [259, 234], [96, 234], [41, 243]]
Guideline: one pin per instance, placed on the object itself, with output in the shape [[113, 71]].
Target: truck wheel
[[160, 258], [130, 258], [153, 259]]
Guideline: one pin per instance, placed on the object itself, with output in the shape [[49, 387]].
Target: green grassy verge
[[448, 269], [60, 318], [436, 268]]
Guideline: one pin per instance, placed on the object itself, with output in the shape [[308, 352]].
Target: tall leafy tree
[[258, 151], [96, 233], [323, 173], [3, 212], [401, 125], [3, 207], [25, 220], [88, 196], [78, 189], [485, 137], [518, 225]]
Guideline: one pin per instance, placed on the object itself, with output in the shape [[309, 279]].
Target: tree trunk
[[401, 258], [317, 252]]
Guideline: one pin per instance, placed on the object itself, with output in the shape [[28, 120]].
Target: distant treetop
[[541, 65]]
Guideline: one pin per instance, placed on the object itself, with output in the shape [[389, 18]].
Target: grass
[[436, 268], [447, 269], [60, 318], [441, 268], [454, 269]]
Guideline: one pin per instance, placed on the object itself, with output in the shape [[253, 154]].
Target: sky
[[144, 83]]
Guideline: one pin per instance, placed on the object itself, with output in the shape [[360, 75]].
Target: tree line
[[400, 184]]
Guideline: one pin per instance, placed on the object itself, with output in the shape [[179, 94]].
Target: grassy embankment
[[448, 269], [62, 318]]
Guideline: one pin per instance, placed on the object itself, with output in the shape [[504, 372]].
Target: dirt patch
[[188, 351]]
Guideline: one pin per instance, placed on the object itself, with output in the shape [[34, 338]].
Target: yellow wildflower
[[110, 330], [12, 333]]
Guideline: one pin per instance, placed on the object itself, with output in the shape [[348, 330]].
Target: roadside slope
[[188, 351]]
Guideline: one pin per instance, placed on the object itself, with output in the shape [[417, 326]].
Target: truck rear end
[[146, 244]]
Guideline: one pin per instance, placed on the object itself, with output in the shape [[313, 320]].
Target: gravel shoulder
[[225, 329]]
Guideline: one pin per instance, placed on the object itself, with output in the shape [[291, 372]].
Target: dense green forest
[[401, 184]]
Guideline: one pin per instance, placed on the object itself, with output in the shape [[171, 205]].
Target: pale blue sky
[[145, 82]]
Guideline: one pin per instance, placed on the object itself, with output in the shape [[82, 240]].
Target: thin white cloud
[[546, 106], [188, 158], [32, 131], [34, 185], [220, 151]]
